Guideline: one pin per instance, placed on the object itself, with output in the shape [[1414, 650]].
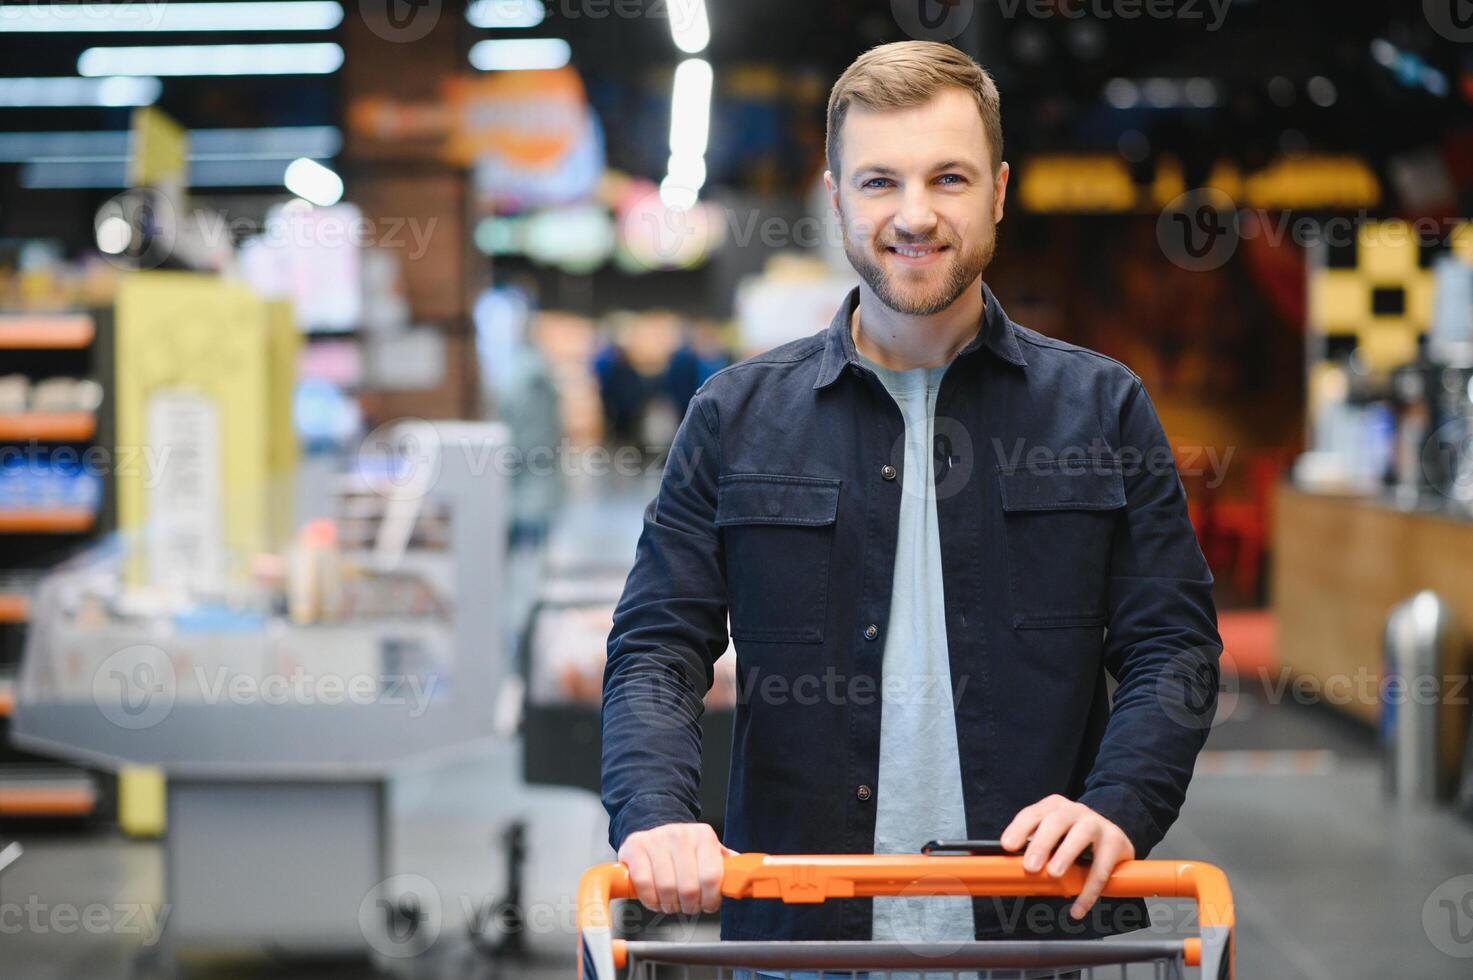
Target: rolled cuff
[[1124, 809], [645, 812]]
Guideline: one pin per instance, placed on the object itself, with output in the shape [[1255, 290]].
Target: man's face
[[918, 201]]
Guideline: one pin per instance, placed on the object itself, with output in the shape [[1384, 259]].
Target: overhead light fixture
[[313, 182], [1122, 93], [59, 92], [273, 144], [505, 14], [521, 54], [101, 18], [63, 173], [1321, 91], [689, 26], [114, 234], [690, 130], [690, 108], [676, 196], [213, 59], [687, 171]]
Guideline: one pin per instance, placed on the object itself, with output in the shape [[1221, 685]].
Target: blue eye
[[876, 182], [952, 179]]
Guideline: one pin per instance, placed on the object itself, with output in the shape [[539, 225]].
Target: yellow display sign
[[193, 409], [158, 150], [1103, 182]]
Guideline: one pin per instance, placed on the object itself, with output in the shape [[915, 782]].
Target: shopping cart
[[816, 878]]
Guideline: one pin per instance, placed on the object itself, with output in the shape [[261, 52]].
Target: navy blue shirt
[[1067, 556]]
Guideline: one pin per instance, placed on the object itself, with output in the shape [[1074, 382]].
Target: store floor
[[1331, 881]]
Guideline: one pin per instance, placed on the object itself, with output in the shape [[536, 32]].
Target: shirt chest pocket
[[778, 533], [1059, 521]]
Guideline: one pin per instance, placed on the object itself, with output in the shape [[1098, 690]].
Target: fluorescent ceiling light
[[676, 196], [54, 92], [108, 174], [689, 25], [521, 54], [275, 144], [150, 15], [505, 14], [687, 171], [313, 182], [213, 59], [690, 108], [1122, 93]]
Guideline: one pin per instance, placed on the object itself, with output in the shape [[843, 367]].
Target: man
[[933, 532]]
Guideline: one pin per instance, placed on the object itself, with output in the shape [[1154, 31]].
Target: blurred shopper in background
[[518, 388]]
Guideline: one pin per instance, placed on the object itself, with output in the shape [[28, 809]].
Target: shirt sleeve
[[669, 630], [1162, 644]]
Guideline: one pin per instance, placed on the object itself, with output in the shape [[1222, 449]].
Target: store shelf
[[58, 794], [52, 520], [15, 607], [42, 332], [54, 426]]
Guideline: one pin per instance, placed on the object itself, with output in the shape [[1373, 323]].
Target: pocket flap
[[759, 498], [1080, 485]]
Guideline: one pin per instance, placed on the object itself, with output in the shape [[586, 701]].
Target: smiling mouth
[[916, 251]]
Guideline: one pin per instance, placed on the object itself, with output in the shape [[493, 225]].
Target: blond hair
[[906, 74]]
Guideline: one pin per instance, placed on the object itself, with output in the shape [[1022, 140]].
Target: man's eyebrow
[[871, 170], [966, 165]]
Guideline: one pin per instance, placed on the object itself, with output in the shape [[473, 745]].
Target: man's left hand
[[1055, 819]]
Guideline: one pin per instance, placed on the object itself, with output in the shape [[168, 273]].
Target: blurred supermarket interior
[[345, 340]]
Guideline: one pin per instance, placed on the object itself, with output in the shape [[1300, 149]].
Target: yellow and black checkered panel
[[1377, 288]]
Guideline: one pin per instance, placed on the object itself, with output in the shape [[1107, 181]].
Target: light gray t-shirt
[[919, 792]]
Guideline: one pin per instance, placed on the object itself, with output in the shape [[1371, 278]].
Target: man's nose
[[916, 216]]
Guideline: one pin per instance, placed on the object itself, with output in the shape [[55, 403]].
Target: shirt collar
[[997, 335]]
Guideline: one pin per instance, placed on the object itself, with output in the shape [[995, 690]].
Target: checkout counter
[[280, 741]]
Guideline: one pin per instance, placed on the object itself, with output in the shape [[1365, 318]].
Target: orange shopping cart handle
[[819, 877]]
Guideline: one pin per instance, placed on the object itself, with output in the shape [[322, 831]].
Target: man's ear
[[832, 186], [1000, 191]]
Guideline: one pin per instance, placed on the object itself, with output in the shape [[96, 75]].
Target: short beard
[[965, 270]]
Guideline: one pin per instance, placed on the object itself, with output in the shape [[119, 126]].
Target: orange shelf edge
[[15, 607], [47, 801], [46, 332], [55, 520], [48, 425]]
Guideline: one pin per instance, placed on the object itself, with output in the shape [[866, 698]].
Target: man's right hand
[[676, 867]]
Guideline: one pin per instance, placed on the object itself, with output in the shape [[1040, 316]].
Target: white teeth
[[912, 253]]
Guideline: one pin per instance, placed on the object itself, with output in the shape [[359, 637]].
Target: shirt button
[[864, 793], [888, 472], [871, 631]]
